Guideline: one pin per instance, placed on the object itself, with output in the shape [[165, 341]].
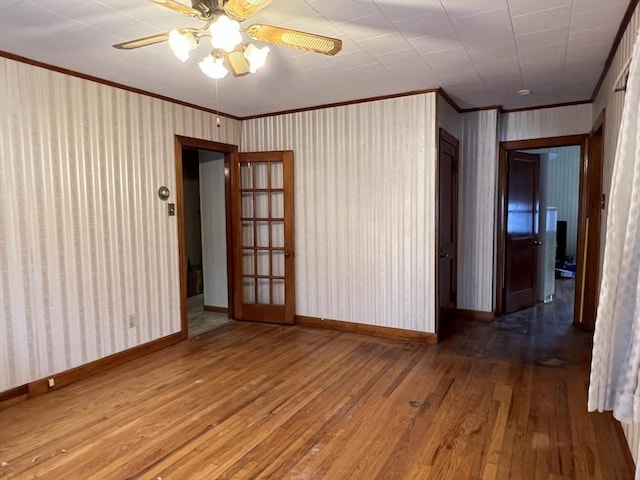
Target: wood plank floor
[[249, 401]]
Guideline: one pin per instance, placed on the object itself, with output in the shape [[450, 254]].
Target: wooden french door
[[521, 249], [262, 218]]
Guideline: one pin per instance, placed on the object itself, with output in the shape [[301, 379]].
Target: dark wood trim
[[476, 315], [92, 368], [501, 211], [553, 105], [587, 278], [445, 96], [481, 109], [614, 47], [13, 395], [109, 83], [548, 142], [441, 91], [211, 308], [600, 121], [228, 150], [500, 235], [342, 104], [373, 330], [444, 136], [583, 209]]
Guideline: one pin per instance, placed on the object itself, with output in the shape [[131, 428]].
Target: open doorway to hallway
[[558, 226], [205, 239], [544, 253]]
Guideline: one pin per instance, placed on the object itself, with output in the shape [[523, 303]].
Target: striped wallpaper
[[85, 243], [476, 226], [613, 103], [364, 208], [477, 133], [546, 122], [448, 117]]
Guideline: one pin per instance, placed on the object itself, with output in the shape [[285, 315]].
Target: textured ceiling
[[480, 51]]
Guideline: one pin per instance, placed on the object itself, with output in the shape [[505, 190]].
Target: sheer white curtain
[[615, 368]]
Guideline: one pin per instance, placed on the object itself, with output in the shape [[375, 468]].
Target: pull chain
[[217, 110]]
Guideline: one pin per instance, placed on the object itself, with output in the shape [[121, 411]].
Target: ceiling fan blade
[[143, 42], [293, 38], [178, 7], [243, 9], [237, 63]]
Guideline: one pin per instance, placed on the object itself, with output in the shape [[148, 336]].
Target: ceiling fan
[[221, 23]]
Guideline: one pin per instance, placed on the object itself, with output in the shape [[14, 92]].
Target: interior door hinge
[[602, 202]]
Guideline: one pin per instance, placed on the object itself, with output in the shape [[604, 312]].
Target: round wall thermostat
[[163, 193]]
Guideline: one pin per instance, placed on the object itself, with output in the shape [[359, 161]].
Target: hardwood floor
[[248, 401]]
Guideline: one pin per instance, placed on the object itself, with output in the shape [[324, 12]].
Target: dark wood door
[[262, 218], [447, 228], [586, 301], [521, 249]]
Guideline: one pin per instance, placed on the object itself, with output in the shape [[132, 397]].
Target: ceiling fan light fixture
[[213, 67], [225, 33], [243, 9], [256, 56], [182, 43]]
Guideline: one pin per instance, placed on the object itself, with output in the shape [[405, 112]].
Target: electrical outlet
[[133, 321], [52, 383]]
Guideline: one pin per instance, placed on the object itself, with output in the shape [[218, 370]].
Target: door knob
[[287, 254], [446, 255], [537, 242]]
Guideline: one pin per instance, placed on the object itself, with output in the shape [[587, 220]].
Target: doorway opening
[[204, 234], [543, 219]]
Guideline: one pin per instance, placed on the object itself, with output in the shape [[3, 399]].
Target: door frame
[[587, 280], [501, 211], [444, 136], [229, 152]]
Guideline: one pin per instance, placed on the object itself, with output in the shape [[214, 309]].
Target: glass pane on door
[[246, 176], [247, 205], [262, 204], [264, 294], [262, 234], [262, 175], [277, 234], [277, 204], [247, 234], [277, 263], [278, 292], [249, 290], [263, 263], [277, 175]]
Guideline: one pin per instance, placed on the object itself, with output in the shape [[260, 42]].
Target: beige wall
[[214, 233], [546, 122], [364, 208], [478, 187], [85, 242]]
